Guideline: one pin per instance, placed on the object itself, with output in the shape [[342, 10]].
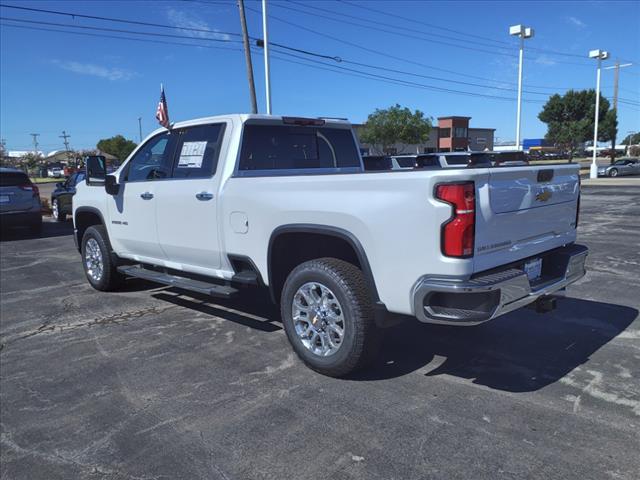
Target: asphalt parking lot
[[152, 383]]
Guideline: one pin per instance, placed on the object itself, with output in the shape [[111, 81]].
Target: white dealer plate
[[533, 268]]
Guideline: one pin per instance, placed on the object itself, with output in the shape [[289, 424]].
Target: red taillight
[[28, 187], [459, 231]]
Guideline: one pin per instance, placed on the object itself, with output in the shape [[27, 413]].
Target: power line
[[400, 33], [120, 20], [118, 30], [413, 20], [119, 37], [318, 65], [419, 22], [216, 32], [274, 44]]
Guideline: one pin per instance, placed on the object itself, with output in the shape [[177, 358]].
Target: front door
[[187, 205], [132, 212]]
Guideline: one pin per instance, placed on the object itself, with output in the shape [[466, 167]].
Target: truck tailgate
[[523, 211]]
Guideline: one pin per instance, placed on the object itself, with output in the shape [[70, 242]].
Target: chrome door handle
[[146, 195], [204, 196]]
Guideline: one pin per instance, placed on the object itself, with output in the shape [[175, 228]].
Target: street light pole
[[599, 55], [267, 74], [522, 32]]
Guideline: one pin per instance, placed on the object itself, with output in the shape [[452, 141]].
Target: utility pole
[[616, 79], [66, 142], [247, 57], [35, 142], [267, 74], [140, 128]]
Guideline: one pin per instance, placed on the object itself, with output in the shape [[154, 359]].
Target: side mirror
[[96, 170], [111, 185]]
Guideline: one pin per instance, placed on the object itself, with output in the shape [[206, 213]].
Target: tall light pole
[[522, 32], [599, 55], [267, 75]]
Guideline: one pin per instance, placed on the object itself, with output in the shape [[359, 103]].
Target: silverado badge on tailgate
[[544, 195]]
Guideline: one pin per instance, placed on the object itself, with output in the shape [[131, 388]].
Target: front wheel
[[613, 172], [98, 261], [328, 316]]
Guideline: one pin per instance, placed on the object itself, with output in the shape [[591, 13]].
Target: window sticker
[[192, 154]]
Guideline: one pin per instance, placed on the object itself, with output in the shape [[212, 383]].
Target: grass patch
[[46, 180]]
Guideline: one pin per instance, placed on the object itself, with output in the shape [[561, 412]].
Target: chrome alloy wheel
[[54, 209], [93, 259], [318, 319]]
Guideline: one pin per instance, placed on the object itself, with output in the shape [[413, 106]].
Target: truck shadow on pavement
[[253, 311], [520, 352]]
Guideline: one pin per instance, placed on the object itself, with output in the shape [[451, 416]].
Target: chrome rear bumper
[[479, 299]]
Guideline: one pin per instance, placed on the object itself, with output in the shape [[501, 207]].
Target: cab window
[[198, 151], [153, 161]]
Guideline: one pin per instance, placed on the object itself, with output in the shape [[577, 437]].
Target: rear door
[[523, 211], [187, 205]]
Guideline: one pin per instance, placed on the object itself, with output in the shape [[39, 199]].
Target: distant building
[[452, 134]]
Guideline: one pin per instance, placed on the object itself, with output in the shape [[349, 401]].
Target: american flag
[[162, 114]]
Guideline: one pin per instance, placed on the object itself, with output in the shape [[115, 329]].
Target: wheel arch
[[83, 218], [350, 249]]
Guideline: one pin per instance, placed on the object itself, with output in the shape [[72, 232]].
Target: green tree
[[632, 139], [570, 119], [395, 124], [118, 146]]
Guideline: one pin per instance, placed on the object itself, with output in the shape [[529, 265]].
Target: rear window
[[428, 161], [283, 147], [406, 162], [457, 159], [377, 163], [13, 179]]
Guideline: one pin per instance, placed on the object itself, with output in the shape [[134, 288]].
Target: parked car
[[61, 197], [508, 158], [385, 162], [624, 166], [222, 203], [55, 172], [19, 200]]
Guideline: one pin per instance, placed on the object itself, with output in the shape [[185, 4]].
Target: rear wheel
[[55, 211], [613, 172], [328, 316], [98, 260]]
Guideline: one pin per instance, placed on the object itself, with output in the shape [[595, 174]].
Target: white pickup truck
[[216, 204]]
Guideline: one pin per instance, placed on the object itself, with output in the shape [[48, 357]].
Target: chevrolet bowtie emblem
[[544, 195]]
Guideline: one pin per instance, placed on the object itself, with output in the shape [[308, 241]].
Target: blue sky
[[95, 87]]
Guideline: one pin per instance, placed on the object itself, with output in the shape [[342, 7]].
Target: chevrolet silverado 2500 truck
[[215, 204]]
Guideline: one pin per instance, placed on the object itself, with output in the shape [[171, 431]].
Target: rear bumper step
[[198, 286], [478, 299]]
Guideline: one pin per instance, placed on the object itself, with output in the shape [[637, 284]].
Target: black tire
[[110, 279], [36, 225], [361, 337], [613, 172], [60, 217]]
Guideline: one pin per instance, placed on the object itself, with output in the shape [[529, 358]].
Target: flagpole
[[267, 75]]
